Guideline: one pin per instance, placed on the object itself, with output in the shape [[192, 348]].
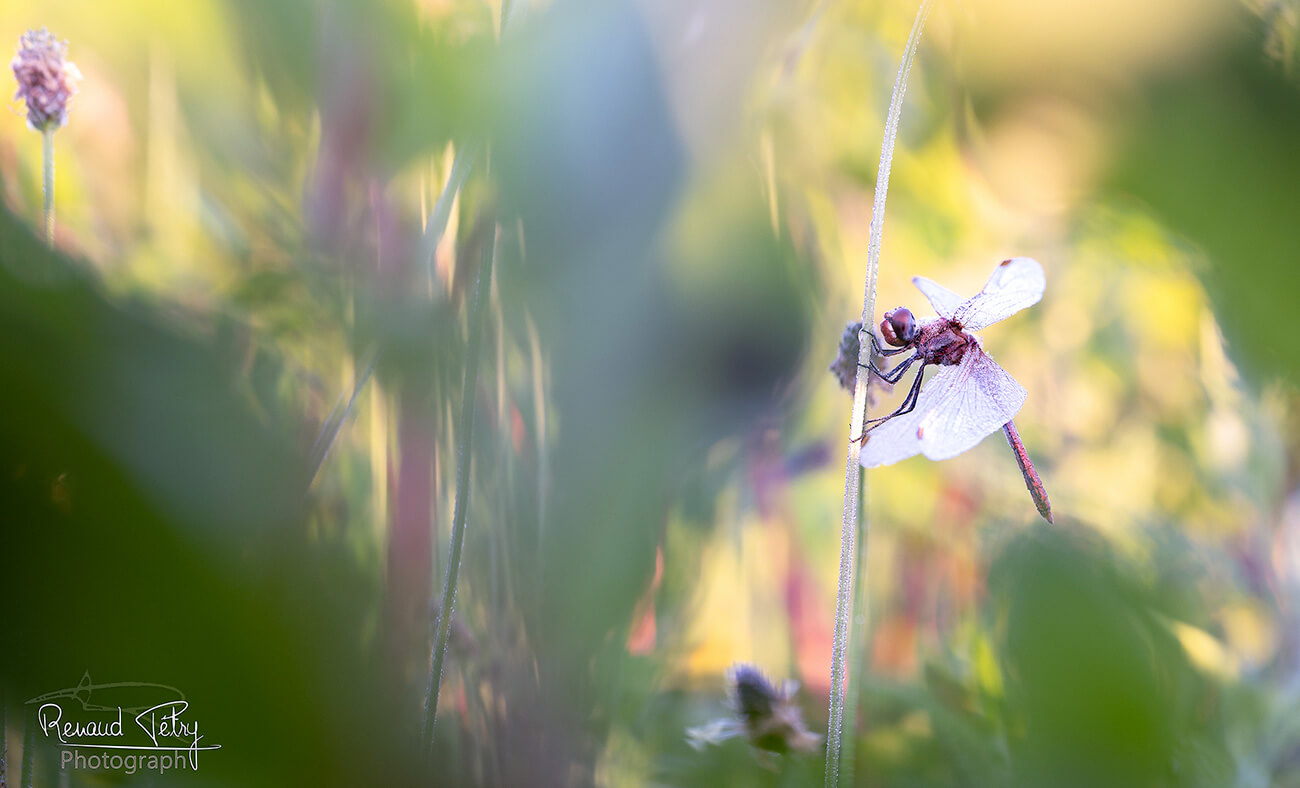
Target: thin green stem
[[330, 430], [464, 442], [859, 645], [853, 477], [47, 137], [488, 244], [433, 232]]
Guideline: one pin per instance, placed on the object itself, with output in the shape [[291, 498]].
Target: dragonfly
[[969, 396]]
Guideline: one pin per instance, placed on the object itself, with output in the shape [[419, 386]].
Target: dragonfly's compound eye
[[899, 327]]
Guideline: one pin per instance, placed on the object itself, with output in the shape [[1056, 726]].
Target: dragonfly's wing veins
[[980, 399], [944, 301], [1015, 284], [896, 439]]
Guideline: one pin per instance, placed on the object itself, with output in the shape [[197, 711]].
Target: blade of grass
[[330, 430], [433, 232], [849, 557], [434, 229], [859, 645], [464, 434], [483, 285]]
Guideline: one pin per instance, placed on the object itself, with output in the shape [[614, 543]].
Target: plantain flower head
[[845, 366], [46, 78]]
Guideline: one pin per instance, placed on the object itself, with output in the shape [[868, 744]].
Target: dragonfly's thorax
[[941, 341]]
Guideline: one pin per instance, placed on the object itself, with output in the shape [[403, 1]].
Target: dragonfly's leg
[[881, 351], [893, 375], [909, 402]]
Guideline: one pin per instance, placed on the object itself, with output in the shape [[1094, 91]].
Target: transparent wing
[[944, 301], [1014, 285], [979, 400], [896, 439]]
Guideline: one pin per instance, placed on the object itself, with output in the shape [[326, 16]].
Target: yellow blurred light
[[1205, 651], [1250, 632], [739, 615], [1007, 40], [1164, 309], [987, 671], [1168, 379], [1089, 401], [1113, 483], [1040, 156], [1068, 324]]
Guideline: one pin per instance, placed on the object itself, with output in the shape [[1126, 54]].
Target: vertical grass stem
[[464, 441], [849, 557]]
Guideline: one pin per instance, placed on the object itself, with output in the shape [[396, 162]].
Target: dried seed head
[[751, 695], [46, 78], [845, 366], [770, 714], [764, 714]]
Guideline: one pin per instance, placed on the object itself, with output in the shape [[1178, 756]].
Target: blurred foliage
[[155, 527], [1213, 153], [677, 196]]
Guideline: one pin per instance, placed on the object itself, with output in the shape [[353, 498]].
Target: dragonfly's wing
[[944, 301], [980, 399], [1014, 285], [896, 439]]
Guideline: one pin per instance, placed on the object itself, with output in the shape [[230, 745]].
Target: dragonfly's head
[[899, 327]]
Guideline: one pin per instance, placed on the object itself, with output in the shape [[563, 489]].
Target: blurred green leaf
[[1212, 150], [1102, 688], [155, 530]]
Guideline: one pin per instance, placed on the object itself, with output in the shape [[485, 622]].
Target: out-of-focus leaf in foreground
[[155, 530], [1213, 152], [1100, 691], [669, 309]]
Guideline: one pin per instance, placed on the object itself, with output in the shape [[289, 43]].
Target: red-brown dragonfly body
[[969, 396]]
